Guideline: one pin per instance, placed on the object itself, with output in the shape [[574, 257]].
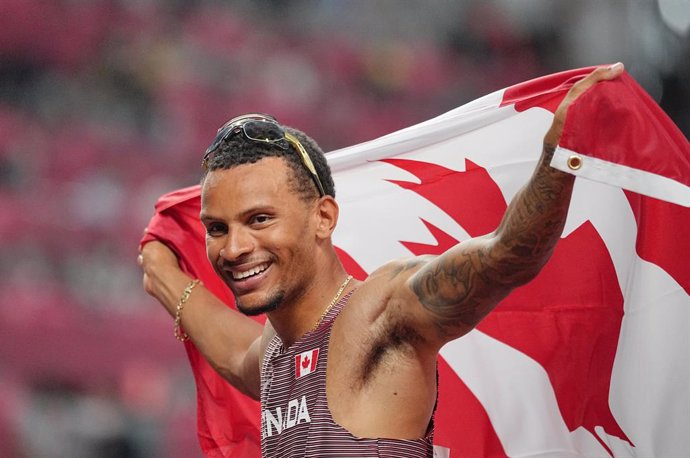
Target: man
[[342, 367]]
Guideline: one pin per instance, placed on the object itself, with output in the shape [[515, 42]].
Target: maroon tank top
[[295, 418]]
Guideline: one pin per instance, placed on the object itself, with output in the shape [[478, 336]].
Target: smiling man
[[342, 367]]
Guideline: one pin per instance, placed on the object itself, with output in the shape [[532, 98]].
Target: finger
[[601, 74], [140, 259], [616, 69], [607, 73]]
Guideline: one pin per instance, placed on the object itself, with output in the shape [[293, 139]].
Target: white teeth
[[248, 273]]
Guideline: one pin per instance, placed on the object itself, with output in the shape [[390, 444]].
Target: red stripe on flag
[[656, 243], [545, 92], [616, 121]]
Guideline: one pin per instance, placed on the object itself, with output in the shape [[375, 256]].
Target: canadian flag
[[590, 358], [305, 362]]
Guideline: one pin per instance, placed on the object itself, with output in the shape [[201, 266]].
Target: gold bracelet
[[179, 334]]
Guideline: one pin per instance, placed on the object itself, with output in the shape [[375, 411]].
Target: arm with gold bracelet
[[227, 339]]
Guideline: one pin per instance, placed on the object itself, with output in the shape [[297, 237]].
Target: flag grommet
[[574, 162]]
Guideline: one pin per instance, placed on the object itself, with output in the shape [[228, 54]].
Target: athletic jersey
[[295, 418]]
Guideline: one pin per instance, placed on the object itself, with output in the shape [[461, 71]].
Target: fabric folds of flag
[[227, 421], [589, 359]]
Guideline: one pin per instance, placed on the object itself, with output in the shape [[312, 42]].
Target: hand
[[553, 136], [156, 258]]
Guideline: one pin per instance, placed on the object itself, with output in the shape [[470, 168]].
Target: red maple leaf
[[568, 319]]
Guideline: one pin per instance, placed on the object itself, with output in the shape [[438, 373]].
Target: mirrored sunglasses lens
[[263, 131], [260, 130], [221, 136]]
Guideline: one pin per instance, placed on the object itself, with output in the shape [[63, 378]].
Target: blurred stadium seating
[[106, 104]]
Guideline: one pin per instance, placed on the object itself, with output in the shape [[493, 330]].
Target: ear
[[327, 212]]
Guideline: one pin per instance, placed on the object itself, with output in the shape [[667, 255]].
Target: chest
[[327, 370], [376, 368]]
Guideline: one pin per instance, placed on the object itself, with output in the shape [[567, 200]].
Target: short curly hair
[[239, 150]]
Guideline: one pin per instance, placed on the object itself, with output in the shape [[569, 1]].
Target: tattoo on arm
[[409, 264], [464, 284], [453, 288]]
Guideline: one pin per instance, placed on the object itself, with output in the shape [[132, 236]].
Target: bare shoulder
[[399, 269], [388, 282], [384, 310]]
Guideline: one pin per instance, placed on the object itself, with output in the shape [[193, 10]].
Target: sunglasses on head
[[264, 129]]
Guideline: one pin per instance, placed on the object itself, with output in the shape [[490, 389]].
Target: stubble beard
[[272, 304]]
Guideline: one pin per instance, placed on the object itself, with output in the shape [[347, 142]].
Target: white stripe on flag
[[636, 180]]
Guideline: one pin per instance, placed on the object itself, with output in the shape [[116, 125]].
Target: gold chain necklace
[[330, 306]]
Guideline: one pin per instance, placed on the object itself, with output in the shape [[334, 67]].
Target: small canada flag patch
[[305, 362]]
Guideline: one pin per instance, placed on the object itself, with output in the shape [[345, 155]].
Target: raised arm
[[228, 340], [460, 287]]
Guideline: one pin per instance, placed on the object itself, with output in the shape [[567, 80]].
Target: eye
[[260, 219], [215, 229]]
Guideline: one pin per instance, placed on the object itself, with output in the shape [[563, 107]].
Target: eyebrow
[[255, 209], [205, 217]]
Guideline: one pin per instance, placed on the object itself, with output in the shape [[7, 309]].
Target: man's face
[[259, 234]]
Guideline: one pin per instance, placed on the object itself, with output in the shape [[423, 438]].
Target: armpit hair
[[399, 339]]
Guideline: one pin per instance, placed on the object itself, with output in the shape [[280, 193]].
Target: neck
[[300, 315]]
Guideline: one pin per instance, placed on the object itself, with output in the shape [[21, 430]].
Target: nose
[[238, 243]]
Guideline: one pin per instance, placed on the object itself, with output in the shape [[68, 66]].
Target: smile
[[251, 272]]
